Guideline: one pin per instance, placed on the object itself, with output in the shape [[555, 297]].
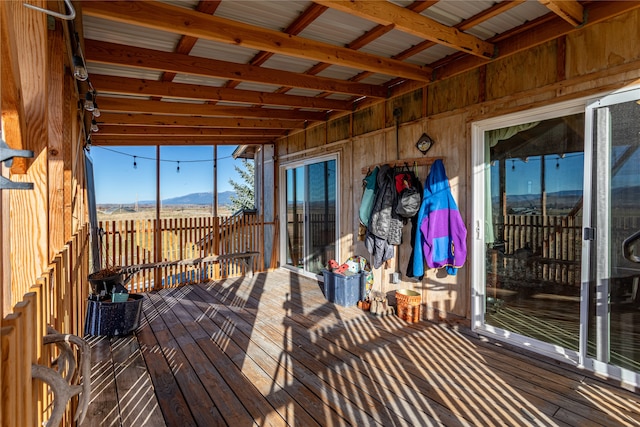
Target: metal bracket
[[67, 17], [6, 155]]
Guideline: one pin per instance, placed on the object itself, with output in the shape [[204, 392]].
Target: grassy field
[[128, 212]]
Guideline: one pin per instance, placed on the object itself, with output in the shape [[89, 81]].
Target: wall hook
[[69, 17]]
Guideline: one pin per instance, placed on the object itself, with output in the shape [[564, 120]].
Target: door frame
[[283, 209], [578, 358]]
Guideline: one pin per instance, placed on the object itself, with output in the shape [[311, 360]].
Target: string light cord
[[135, 157]]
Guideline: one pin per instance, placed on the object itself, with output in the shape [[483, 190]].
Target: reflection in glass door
[[311, 238], [614, 251], [533, 213]]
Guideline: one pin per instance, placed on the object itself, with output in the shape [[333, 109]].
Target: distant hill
[[224, 199]]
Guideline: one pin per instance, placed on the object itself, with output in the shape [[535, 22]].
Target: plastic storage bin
[[343, 290]]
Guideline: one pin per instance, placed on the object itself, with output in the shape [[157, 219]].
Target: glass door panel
[[533, 252], [311, 237], [614, 312], [295, 217], [321, 219]]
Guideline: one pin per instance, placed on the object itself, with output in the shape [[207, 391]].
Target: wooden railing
[[132, 242], [57, 299], [537, 249], [548, 248]]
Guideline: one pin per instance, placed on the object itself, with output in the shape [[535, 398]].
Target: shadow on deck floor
[[270, 350]]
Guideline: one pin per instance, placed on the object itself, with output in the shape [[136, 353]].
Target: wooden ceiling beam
[[130, 86], [179, 20], [136, 57], [569, 10], [466, 24], [187, 43], [546, 28], [138, 140], [300, 23], [208, 122], [113, 130], [127, 105], [387, 13]]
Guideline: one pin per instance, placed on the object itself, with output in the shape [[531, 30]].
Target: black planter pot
[[113, 318]]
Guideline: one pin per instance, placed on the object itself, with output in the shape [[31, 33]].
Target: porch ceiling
[[249, 72]]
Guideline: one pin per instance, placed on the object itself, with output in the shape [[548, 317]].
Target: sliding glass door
[[311, 237], [556, 264], [613, 247]]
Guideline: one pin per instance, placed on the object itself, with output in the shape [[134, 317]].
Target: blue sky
[[117, 181]]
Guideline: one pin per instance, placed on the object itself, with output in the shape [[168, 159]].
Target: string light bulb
[[79, 69], [178, 168], [558, 163], [88, 102], [135, 164], [96, 111], [94, 126], [513, 165]]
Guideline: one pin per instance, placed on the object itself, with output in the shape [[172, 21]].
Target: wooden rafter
[[112, 53], [466, 24], [130, 86], [405, 20], [126, 105], [368, 37], [536, 32], [147, 140], [186, 43], [569, 10], [211, 122], [173, 19], [186, 131]]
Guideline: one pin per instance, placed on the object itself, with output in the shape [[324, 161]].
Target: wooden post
[[502, 172], [157, 244], [215, 180]]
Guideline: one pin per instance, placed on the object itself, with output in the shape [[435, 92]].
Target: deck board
[[270, 350]]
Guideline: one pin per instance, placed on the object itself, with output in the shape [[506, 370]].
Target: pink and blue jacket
[[441, 236]]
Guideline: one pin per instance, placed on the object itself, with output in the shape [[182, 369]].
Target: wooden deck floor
[[269, 350]]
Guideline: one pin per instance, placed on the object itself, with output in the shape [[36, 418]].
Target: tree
[[244, 197]]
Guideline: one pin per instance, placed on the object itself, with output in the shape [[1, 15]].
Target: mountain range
[[224, 199]]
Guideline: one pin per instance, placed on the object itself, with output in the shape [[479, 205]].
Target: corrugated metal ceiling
[[309, 77]]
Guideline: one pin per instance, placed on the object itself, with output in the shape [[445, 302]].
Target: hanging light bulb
[[178, 168], [96, 111], [88, 102], [79, 70], [513, 165], [135, 165], [94, 126], [558, 163]]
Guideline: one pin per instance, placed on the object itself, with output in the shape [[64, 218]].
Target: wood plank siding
[[270, 350]]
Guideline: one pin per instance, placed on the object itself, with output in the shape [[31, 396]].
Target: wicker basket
[[408, 305]]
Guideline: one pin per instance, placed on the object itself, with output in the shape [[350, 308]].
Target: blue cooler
[[345, 290]]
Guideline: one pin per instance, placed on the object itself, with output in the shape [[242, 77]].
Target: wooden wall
[[44, 238], [39, 113], [594, 60]]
